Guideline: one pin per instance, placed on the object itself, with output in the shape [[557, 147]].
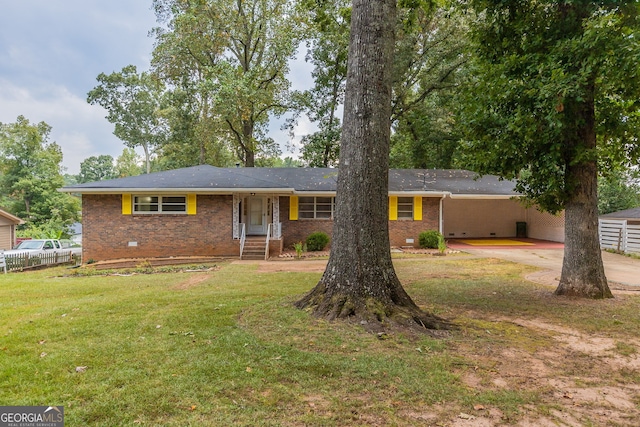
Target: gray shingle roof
[[207, 178], [633, 213]]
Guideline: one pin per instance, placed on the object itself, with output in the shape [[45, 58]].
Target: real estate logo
[[31, 416]]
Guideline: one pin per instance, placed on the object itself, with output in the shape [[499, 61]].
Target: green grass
[[227, 347]]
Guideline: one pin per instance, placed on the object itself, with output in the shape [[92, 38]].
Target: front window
[[316, 207], [405, 207], [159, 204]]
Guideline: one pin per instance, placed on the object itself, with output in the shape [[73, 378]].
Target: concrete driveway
[[618, 268]]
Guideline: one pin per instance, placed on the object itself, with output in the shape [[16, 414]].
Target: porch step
[[254, 248]]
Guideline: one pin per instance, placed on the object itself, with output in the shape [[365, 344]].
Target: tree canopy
[[429, 55], [554, 90], [30, 175], [96, 168], [231, 58], [132, 102]]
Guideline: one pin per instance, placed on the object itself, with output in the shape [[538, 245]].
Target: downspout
[[441, 219]]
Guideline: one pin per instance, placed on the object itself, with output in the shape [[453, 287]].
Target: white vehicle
[[42, 251]]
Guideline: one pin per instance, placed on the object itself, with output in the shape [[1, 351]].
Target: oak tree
[[360, 282], [31, 174], [232, 58], [555, 92], [132, 102]]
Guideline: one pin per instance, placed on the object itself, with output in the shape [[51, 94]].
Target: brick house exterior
[[209, 211], [400, 230], [108, 234]]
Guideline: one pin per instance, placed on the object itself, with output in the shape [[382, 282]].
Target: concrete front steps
[[254, 248]]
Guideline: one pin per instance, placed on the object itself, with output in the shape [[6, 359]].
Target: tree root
[[374, 315]]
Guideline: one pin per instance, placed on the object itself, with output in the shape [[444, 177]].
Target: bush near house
[[317, 241], [429, 239]]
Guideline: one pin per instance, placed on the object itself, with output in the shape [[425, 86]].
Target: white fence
[[19, 262], [618, 235]]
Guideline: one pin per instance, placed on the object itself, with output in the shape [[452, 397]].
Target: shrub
[[317, 241], [429, 239]]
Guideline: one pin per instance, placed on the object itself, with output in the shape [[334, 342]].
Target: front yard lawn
[[226, 347]]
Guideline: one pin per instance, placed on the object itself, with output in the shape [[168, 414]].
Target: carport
[[467, 216]]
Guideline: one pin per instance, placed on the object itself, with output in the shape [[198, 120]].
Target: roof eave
[[164, 190], [423, 193], [485, 196], [12, 218]]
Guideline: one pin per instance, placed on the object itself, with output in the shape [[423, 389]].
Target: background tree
[[327, 50], [97, 168], [234, 56], [128, 164], [30, 175], [617, 191], [360, 281], [429, 57], [548, 87], [133, 102], [194, 137], [428, 68]]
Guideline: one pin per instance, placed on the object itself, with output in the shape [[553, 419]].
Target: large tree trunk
[[582, 267], [360, 282]]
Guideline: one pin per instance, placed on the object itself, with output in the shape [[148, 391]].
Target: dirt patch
[[192, 281], [582, 378]]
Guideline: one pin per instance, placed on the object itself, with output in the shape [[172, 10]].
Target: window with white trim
[[159, 204], [405, 207], [316, 207]]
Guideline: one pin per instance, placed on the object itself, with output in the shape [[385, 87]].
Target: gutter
[[164, 190], [441, 214], [485, 196]]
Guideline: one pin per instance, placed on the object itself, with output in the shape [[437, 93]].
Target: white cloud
[[79, 128], [52, 51], [50, 55]]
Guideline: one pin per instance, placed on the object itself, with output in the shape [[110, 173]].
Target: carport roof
[[211, 179]]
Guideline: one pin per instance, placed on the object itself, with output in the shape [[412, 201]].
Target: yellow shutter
[[417, 208], [191, 204], [126, 204], [393, 208], [293, 208]]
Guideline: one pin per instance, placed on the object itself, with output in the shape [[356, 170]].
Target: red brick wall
[[403, 229], [107, 233], [298, 231], [399, 231]]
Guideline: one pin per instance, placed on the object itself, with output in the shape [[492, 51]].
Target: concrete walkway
[[618, 268]]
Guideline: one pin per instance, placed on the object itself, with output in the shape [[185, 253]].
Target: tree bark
[[360, 282], [582, 267]]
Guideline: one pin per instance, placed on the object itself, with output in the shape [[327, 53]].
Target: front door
[[257, 215]]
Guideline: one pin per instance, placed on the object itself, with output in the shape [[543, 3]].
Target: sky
[[51, 52]]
